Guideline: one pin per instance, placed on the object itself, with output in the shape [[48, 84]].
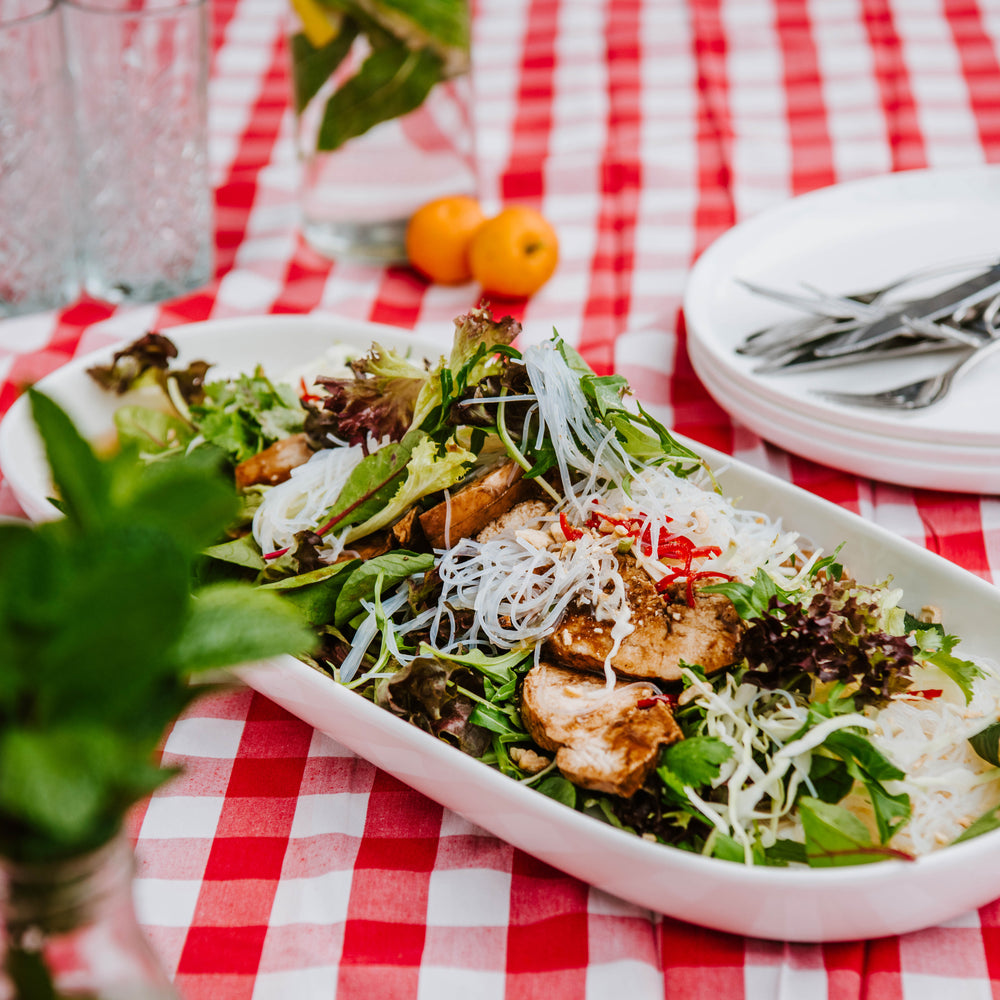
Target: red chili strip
[[276, 554], [305, 395], [571, 533], [658, 699]]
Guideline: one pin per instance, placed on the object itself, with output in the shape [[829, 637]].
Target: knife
[[929, 309]]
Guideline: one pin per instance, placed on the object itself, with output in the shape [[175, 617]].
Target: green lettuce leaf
[[392, 568], [835, 836]]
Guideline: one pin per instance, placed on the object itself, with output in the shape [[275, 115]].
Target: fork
[[914, 395]]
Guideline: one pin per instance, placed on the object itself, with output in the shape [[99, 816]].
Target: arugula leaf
[[828, 564], [499, 669], [493, 719], [605, 392], [751, 600]]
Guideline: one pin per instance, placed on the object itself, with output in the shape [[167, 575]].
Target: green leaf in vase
[[312, 67], [439, 24], [392, 81]]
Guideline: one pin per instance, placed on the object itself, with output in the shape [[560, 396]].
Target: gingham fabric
[[282, 866]]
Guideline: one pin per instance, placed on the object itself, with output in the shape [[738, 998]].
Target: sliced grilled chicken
[[476, 505], [603, 740], [666, 631], [274, 465]]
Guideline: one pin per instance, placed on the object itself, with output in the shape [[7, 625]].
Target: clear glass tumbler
[[37, 161], [383, 99], [140, 75]]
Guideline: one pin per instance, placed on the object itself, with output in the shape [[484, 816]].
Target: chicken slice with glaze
[[605, 740]]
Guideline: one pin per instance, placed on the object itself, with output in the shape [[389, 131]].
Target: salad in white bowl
[[505, 550]]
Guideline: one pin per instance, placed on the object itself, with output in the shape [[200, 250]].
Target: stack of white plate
[[848, 239]]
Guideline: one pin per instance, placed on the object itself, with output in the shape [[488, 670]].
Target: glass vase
[[374, 142], [70, 931]]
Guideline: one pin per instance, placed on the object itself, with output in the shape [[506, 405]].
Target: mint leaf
[[101, 624], [229, 623], [80, 479]]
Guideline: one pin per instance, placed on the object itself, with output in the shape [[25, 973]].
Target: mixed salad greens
[[843, 729]]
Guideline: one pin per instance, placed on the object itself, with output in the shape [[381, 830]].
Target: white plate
[[962, 468], [786, 904], [844, 239]]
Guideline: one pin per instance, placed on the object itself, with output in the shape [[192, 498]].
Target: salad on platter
[[506, 550]]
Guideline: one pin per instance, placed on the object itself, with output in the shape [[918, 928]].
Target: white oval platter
[[835, 904]]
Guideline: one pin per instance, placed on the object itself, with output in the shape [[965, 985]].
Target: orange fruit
[[438, 235], [513, 254]]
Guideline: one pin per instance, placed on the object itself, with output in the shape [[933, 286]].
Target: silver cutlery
[[846, 329], [919, 394], [951, 303]]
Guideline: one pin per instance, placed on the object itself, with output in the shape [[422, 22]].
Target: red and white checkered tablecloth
[[282, 866]]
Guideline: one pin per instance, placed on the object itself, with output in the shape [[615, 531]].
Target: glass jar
[[70, 931], [383, 99]]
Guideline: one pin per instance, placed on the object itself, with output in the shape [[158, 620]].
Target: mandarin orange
[[513, 254], [438, 235]]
